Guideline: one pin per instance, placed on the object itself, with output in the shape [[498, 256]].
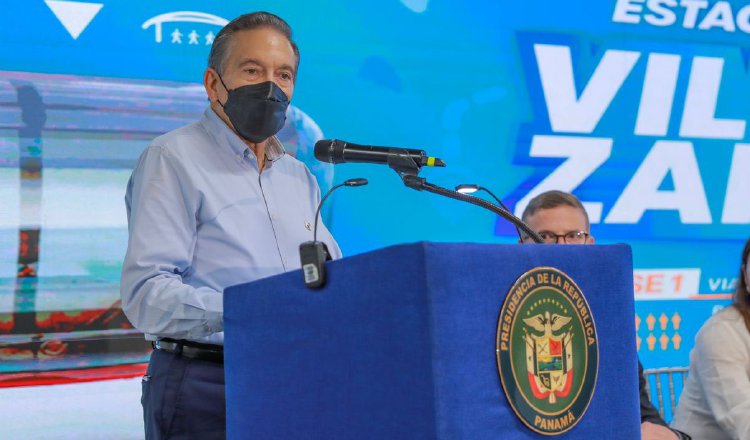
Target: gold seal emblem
[[547, 351]]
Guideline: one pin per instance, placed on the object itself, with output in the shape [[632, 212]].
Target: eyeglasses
[[572, 237]]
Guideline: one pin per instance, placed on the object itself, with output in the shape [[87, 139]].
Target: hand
[[652, 431]]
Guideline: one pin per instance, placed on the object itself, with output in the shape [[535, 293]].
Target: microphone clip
[[408, 169], [313, 256]]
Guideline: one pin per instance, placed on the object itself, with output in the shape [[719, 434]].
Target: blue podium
[[401, 344]]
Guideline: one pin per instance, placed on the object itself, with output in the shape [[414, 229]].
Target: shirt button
[[273, 216]]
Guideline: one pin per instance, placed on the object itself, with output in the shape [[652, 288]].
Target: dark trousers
[[183, 399]]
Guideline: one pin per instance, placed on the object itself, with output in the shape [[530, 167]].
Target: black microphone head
[[330, 151], [356, 182]]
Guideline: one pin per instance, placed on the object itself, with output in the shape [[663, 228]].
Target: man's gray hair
[[247, 22]]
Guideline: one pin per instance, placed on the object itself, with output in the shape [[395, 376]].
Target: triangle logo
[[74, 16]]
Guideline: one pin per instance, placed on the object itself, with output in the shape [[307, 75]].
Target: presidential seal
[[547, 351]]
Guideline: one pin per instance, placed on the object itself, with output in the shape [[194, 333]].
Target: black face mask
[[257, 111]]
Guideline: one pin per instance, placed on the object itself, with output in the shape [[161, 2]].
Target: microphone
[[421, 184], [336, 151], [314, 254]]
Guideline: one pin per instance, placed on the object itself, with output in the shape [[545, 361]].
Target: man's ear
[[590, 239], [211, 83]]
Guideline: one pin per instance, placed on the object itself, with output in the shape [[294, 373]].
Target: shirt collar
[[274, 149], [225, 136]]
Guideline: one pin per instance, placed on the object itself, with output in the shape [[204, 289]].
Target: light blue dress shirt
[[201, 217]]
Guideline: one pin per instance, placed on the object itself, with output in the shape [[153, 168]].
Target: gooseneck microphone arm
[[313, 254], [407, 163], [497, 199], [320, 205], [407, 169], [351, 182], [419, 183]]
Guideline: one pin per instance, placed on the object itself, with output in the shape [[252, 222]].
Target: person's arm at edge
[[722, 371]]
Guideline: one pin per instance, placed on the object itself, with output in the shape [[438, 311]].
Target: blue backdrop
[[638, 108]]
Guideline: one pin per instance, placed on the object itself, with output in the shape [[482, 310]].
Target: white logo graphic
[[193, 37], [74, 16]]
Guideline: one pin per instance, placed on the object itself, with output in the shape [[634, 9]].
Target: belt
[[191, 350]]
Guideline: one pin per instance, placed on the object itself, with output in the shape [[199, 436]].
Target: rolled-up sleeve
[[161, 207]]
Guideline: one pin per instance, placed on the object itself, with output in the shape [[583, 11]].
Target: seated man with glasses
[[572, 237], [560, 218]]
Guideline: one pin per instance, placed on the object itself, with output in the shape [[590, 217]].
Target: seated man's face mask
[[257, 111]]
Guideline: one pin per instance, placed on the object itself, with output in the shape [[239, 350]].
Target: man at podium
[[560, 218], [210, 205]]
